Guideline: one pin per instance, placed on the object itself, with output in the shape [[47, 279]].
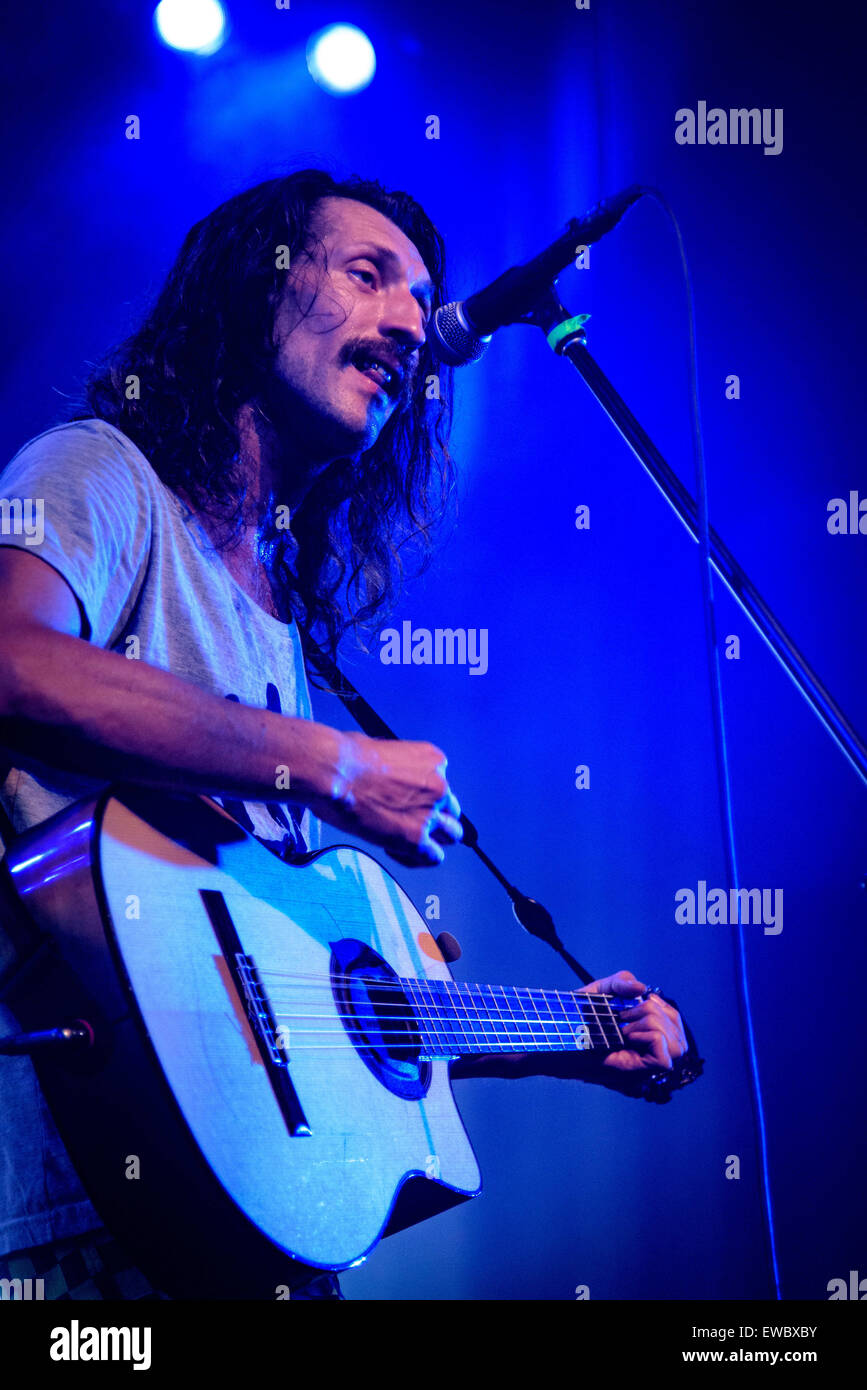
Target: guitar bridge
[[273, 1038], [269, 1038]]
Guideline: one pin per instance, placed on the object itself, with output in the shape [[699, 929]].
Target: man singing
[[252, 465]]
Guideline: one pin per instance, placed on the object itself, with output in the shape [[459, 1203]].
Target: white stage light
[[341, 59], [194, 26]]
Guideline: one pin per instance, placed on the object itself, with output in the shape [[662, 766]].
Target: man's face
[[371, 304]]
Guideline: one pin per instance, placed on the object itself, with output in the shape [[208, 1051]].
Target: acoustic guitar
[[264, 1084]]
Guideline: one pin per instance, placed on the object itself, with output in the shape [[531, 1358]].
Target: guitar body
[[229, 1152]]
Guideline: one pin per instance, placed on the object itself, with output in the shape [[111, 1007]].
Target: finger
[[624, 1061], [623, 984], [656, 1011], [423, 856], [449, 804], [643, 1016], [647, 1009], [654, 1042], [446, 830], [654, 1007], [631, 1015], [666, 1008]]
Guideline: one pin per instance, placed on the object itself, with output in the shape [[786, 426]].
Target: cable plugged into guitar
[[77, 1035]]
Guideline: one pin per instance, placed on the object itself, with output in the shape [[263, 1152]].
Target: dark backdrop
[[596, 638]]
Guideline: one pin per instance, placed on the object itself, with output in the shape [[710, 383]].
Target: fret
[[478, 1022], [540, 1030], [552, 1040], [565, 1031], [453, 1033], [580, 1023], [524, 1027], [446, 1031], [456, 1019], [563, 1040], [443, 1028], [618, 1036], [416, 990], [433, 1035], [483, 1008], [499, 1029], [535, 1029], [520, 1022], [587, 1002], [511, 1025], [505, 1023], [436, 1038]]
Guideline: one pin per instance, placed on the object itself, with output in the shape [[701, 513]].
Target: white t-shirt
[[140, 567]]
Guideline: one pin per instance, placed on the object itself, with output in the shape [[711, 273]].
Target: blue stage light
[[341, 59], [195, 26]]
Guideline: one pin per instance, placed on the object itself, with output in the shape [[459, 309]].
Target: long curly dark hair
[[206, 348]]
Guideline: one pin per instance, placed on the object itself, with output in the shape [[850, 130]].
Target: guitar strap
[[531, 915], [653, 1086]]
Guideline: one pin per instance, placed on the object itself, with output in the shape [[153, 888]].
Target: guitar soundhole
[[378, 1018]]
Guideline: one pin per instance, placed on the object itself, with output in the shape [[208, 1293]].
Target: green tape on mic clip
[[564, 329]]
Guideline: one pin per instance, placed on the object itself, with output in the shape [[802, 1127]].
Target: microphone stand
[[532, 915], [566, 337]]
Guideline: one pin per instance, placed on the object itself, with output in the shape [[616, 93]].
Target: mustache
[[407, 359]]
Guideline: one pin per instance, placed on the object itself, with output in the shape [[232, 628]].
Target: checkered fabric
[[92, 1266], [96, 1266]]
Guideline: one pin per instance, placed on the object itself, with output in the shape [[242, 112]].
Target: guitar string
[[546, 1026], [488, 1025], [438, 1002], [433, 1053], [457, 984], [486, 1029], [517, 993], [429, 1045], [443, 1044], [398, 1034], [460, 1004], [358, 1026], [463, 1022], [424, 1044], [436, 1050], [492, 1035]]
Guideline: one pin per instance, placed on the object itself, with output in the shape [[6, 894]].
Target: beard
[[312, 431], [308, 431]]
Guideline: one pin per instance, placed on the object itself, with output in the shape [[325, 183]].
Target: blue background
[[596, 638]]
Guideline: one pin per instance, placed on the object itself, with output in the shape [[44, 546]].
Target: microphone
[[461, 331]]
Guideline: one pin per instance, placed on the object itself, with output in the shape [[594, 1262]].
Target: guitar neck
[[460, 1020]]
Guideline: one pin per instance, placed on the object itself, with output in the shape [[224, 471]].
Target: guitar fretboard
[[456, 1020]]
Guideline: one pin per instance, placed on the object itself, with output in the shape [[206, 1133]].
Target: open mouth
[[384, 374]]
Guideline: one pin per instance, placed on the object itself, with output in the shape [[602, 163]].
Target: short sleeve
[[80, 497]]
